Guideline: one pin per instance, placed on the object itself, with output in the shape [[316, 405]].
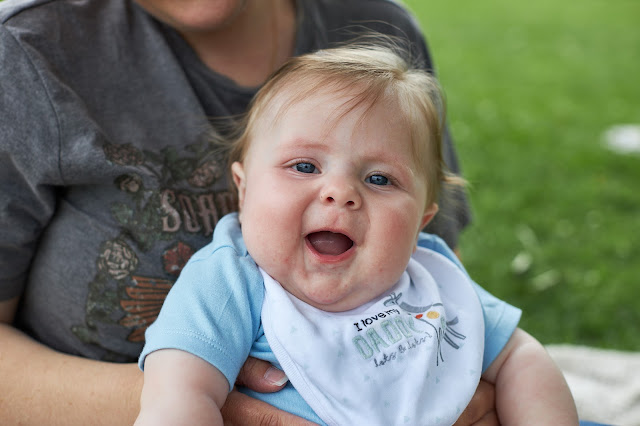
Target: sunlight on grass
[[532, 87]]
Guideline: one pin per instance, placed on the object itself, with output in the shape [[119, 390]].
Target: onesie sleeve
[[213, 309], [500, 318]]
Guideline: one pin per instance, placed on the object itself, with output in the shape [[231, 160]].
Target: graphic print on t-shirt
[[171, 210]]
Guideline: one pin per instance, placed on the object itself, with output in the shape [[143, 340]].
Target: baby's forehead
[[325, 102], [343, 99]]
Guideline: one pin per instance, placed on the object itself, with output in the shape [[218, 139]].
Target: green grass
[[531, 87]]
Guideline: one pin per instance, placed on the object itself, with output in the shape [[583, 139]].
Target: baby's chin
[[330, 300]]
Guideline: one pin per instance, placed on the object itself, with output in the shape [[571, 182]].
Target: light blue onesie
[[214, 312]]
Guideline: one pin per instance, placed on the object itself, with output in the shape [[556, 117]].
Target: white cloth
[[413, 356], [605, 383]]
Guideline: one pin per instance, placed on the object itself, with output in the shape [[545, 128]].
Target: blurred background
[[534, 89]]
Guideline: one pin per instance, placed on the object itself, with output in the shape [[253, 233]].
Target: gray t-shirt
[[109, 179]]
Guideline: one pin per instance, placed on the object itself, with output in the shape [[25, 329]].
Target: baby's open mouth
[[329, 243]]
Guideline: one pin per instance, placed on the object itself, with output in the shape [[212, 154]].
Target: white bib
[[412, 357]]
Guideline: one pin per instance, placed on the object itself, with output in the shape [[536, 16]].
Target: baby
[[325, 271]]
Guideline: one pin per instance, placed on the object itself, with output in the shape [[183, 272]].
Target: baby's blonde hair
[[371, 73]]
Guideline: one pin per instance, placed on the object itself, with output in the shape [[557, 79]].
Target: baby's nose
[[341, 194]]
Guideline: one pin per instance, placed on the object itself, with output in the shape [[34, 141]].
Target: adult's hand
[[481, 411], [240, 409], [260, 376]]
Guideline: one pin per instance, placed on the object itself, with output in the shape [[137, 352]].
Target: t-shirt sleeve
[[29, 167], [500, 318], [213, 309]]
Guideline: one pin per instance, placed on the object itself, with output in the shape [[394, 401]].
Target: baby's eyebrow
[[387, 157], [299, 143]]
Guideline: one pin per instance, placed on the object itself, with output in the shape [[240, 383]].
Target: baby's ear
[[239, 179], [429, 213]]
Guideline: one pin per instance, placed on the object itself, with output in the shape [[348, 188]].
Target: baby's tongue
[[330, 243]]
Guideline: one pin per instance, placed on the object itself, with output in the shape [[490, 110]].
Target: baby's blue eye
[[305, 167], [378, 180]]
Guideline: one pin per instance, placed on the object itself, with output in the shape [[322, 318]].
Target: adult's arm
[[43, 386]]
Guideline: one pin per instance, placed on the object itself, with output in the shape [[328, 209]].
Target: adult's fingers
[[242, 410], [481, 410], [261, 376], [489, 419]]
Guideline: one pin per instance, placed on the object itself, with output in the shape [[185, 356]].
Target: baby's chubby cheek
[[270, 257]]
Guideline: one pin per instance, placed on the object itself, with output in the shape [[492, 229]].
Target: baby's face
[[331, 208]]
